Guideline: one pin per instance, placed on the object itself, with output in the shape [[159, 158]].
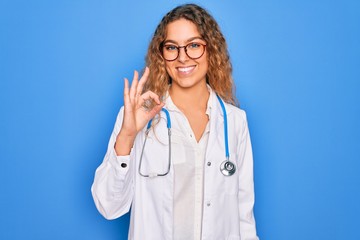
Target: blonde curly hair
[[219, 75]]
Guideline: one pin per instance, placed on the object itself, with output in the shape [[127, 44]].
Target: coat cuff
[[119, 163]]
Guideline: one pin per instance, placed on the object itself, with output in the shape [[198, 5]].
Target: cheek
[[204, 65], [169, 68], [206, 60]]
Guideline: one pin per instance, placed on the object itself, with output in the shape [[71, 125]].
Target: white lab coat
[[228, 200]]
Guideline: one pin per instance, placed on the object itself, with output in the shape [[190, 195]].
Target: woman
[[176, 181]]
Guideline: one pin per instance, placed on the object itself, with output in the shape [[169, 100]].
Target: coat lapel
[[216, 144]]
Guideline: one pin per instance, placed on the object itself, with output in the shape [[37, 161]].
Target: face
[[184, 71]]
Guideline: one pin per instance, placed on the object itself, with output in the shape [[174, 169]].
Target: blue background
[[297, 70]]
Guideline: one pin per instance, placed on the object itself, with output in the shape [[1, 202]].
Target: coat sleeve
[[246, 185], [113, 186]]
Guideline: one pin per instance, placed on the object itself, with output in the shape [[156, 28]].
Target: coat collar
[[216, 118]]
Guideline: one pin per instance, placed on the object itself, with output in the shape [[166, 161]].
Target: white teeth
[[185, 69]]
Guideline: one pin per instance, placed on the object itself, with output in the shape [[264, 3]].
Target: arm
[[246, 187], [113, 187]]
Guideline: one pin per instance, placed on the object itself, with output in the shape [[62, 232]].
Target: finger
[[134, 85], [143, 80], [148, 100], [126, 92], [156, 109], [149, 95], [126, 86]]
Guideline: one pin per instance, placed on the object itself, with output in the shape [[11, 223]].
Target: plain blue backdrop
[[296, 65]]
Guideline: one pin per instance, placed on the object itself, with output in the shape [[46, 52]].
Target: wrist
[[124, 143]]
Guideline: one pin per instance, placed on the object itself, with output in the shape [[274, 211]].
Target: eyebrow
[[187, 41]]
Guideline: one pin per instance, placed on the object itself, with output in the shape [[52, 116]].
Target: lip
[[185, 70]]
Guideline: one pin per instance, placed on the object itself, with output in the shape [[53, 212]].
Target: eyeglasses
[[193, 50]]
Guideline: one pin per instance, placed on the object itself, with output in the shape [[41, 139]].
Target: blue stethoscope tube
[[168, 125], [227, 167]]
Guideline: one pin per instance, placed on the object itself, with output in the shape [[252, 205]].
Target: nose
[[182, 55]]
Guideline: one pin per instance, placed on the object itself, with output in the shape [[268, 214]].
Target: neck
[[194, 98]]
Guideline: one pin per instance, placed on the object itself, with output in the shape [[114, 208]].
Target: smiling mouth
[[185, 70]]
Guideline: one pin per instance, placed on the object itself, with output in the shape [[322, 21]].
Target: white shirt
[[227, 211], [188, 178]]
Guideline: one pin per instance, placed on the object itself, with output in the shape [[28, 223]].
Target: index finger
[[142, 80]]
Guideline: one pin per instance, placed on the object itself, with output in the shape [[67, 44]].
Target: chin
[[187, 82]]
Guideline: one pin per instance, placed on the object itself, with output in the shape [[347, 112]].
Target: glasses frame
[[178, 50]]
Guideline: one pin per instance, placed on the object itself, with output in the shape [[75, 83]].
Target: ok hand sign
[[139, 108]]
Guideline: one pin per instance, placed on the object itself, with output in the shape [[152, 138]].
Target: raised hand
[[139, 108]]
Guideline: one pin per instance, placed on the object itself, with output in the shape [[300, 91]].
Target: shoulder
[[235, 112], [232, 112]]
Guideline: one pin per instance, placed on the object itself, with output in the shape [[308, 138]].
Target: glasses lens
[[170, 52], [195, 50]]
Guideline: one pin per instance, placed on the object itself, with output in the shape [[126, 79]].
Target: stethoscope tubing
[[227, 154], [148, 127], [227, 168]]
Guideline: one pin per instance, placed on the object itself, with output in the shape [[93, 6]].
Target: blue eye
[[194, 45], [170, 47]]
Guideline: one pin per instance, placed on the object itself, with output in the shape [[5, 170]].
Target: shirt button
[[208, 204], [123, 165], [209, 163]]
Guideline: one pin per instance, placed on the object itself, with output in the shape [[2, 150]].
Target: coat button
[[123, 165], [208, 204], [209, 163]]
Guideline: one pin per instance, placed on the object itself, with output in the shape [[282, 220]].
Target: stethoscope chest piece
[[227, 168]]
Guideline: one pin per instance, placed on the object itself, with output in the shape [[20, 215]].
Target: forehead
[[181, 30]]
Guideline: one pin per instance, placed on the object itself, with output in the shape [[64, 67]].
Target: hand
[[138, 110]]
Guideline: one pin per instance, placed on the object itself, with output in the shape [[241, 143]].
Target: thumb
[[156, 109]]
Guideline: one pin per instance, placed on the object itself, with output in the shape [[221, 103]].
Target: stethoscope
[[227, 168]]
